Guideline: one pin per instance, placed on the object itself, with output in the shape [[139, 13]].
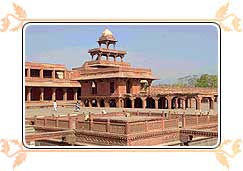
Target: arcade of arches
[[163, 102], [50, 94]]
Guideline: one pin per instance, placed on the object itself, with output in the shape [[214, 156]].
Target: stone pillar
[[90, 102], [28, 94], [64, 94], [169, 99], [132, 101], [98, 102], [176, 103], [53, 74], [41, 73], [53, 94], [75, 94], [64, 74], [211, 103], [41, 94], [190, 103], [120, 103], [144, 103], [184, 104], [117, 103], [156, 101], [107, 104], [199, 101], [28, 72]]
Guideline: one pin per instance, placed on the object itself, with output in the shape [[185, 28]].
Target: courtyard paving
[[87, 110]]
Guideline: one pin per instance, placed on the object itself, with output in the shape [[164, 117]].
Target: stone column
[[42, 94], [75, 94], [132, 101], [98, 102], [190, 103], [53, 94], [184, 104], [90, 102], [119, 103], [41, 73], [144, 102], [199, 101], [107, 104], [169, 99], [28, 72], [64, 74], [28, 94], [176, 103], [211, 103], [53, 74], [156, 103], [64, 94]]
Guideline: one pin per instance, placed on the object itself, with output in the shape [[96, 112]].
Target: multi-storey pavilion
[[106, 82]]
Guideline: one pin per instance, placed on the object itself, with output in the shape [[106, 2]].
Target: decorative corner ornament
[[228, 22], [18, 17]]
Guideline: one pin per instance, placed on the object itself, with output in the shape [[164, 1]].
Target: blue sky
[[171, 51]]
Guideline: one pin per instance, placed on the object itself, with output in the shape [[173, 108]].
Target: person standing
[[77, 106], [55, 105]]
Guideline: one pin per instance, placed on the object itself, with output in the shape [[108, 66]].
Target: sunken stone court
[[118, 105]]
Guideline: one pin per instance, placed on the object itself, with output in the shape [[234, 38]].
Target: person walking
[[55, 105]]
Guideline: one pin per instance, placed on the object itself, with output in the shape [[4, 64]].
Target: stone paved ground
[[86, 110]]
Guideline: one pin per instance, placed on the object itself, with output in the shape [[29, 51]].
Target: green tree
[[207, 81]]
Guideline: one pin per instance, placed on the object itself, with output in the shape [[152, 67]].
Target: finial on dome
[[106, 32]]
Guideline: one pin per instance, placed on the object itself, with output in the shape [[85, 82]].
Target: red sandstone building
[[106, 81]]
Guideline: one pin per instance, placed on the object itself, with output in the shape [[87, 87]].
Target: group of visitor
[[77, 106]]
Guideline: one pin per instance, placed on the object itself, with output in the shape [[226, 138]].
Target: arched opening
[[47, 94], [94, 103], [138, 103], [59, 94], [174, 103], [192, 103], [70, 94], [150, 103], [127, 103], [86, 103], [102, 103], [35, 94], [94, 87], [79, 93], [128, 86], [162, 103], [180, 102], [207, 104], [112, 103]]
